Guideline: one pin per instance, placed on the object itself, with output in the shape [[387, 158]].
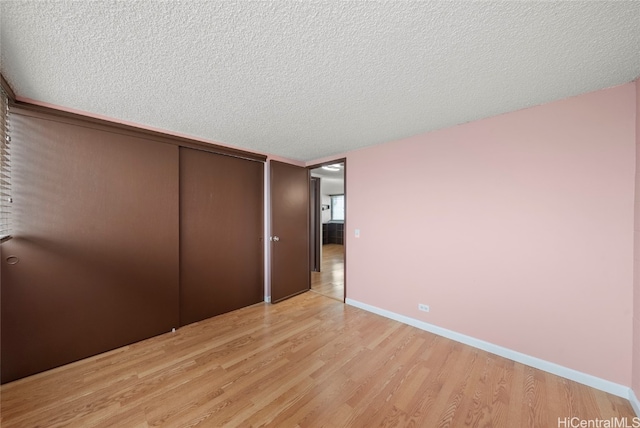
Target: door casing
[[315, 223]]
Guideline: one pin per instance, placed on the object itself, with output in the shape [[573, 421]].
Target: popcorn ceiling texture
[[304, 80]]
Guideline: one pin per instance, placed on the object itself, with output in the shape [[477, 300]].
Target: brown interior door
[[221, 234], [93, 262], [290, 273]]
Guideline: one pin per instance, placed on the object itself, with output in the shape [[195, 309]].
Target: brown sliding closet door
[[93, 263], [221, 244]]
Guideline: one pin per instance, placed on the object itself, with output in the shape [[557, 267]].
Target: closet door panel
[[221, 234], [93, 262]]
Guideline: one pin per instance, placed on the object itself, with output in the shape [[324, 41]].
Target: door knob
[[274, 239]]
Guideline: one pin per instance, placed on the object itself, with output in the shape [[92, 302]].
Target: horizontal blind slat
[[5, 167]]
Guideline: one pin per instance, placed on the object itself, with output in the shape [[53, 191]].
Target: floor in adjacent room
[[330, 280], [309, 361]]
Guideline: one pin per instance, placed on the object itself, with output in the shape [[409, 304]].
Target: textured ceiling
[[305, 80]]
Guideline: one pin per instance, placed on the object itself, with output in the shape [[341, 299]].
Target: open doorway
[[328, 218]]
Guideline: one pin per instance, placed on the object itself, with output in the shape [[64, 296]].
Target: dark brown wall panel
[[96, 244], [221, 229]]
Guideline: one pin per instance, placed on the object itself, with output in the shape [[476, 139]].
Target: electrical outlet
[[423, 307]]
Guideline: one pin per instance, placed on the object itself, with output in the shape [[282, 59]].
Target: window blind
[[5, 167]]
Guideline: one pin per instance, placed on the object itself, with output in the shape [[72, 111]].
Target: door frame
[[315, 224], [346, 217]]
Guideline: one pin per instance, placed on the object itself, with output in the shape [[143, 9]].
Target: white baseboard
[[556, 369], [635, 403], [267, 299]]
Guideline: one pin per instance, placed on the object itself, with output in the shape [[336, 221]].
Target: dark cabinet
[[333, 233]]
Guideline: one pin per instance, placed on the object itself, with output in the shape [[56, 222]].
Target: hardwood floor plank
[[457, 400], [501, 386], [477, 407], [516, 397], [309, 361]]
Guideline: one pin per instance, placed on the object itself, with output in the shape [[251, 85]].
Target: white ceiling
[[305, 80], [323, 173]]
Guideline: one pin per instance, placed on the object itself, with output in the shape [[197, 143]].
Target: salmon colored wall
[[636, 305], [516, 230]]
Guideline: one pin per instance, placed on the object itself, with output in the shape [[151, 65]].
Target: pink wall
[[636, 305], [516, 230]]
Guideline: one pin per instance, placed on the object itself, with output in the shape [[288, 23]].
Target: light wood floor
[[330, 280], [310, 361]]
